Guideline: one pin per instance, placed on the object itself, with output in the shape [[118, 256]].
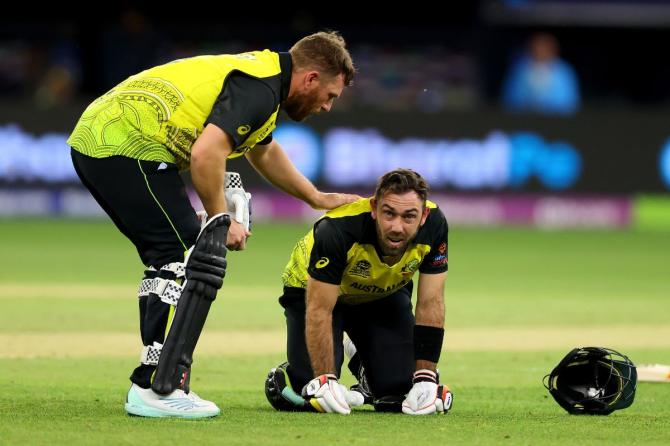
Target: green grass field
[[517, 301]]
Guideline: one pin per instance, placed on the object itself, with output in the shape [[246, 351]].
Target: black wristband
[[428, 342]]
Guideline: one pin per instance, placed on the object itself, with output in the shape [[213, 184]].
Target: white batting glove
[[427, 396], [353, 397], [238, 200], [325, 394]]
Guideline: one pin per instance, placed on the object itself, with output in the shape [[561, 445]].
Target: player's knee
[[390, 386], [157, 256], [389, 390], [163, 283], [388, 403]]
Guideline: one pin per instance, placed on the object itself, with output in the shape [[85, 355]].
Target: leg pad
[[205, 269]]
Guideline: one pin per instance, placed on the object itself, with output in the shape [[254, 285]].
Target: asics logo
[[243, 129], [322, 263]]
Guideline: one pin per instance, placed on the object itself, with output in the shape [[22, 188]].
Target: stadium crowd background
[[430, 86], [54, 56]]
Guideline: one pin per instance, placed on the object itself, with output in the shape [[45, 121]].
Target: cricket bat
[[653, 373]]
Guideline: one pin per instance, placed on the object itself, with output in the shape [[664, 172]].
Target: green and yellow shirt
[[342, 249], [158, 114]]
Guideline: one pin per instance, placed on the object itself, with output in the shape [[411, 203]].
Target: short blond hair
[[326, 52]]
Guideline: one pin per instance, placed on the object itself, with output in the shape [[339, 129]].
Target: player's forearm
[[321, 298], [319, 338], [208, 167], [430, 300], [430, 311], [208, 174], [429, 315], [273, 163], [422, 364]]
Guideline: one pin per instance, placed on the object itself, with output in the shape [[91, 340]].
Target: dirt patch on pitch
[[66, 290], [69, 345], [63, 345], [99, 291]]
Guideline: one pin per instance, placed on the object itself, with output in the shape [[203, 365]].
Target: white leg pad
[[169, 291], [147, 285], [178, 268]]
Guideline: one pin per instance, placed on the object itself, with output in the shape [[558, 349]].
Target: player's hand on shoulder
[[331, 200]]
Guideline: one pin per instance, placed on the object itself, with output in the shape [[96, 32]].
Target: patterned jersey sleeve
[[329, 254], [437, 260], [266, 140], [244, 104]]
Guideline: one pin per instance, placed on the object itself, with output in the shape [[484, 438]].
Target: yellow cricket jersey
[[342, 249], [158, 114]]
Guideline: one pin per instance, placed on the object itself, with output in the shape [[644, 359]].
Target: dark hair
[[325, 51], [400, 181]]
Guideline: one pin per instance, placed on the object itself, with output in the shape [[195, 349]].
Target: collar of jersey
[[285, 65]]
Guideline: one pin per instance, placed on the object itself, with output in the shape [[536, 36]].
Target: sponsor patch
[[361, 269], [410, 267]]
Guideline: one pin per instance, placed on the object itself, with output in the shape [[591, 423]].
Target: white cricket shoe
[[147, 403]]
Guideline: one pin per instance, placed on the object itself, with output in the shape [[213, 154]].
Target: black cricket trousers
[[147, 202], [381, 330]]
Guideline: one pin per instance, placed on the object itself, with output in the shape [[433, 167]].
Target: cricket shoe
[[178, 404]]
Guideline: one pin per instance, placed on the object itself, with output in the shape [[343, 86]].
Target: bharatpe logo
[[361, 269], [358, 157], [303, 147]]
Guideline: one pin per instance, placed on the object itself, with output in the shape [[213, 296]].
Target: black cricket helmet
[[593, 380]]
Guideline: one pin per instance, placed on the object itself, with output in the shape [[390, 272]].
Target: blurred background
[[541, 113], [542, 126]]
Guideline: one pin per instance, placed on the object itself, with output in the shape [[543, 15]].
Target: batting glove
[[238, 200], [325, 394], [354, 398], [427, 396]]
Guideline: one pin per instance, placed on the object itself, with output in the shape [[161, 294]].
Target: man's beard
[[299, 107], [390, 250]]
